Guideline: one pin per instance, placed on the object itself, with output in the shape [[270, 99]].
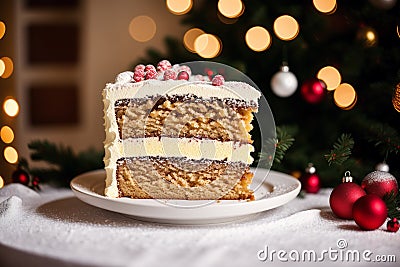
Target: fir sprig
[[281, 143], [341, 150], [63, 163], [385, 138], [392, 201]]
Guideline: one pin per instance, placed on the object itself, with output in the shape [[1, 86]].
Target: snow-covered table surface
[[54, 228]]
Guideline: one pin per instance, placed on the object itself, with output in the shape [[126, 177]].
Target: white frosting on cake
[[124, 88], [232, 90]]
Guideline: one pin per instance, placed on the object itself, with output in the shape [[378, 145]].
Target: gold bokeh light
[[286, 28], [325, 6], [142, 28], [2, 67], [189, 38], [1, 182], [2, 29], [6, 134], [11, 107], [11, 154], [331, 77], [9, 67], [179, 7], [345, 96], [207, 45], [231, 8], [258, 39]]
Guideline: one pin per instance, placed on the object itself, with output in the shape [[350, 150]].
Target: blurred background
[[341, 58]]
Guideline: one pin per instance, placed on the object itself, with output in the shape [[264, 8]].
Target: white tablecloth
[[54, 228]]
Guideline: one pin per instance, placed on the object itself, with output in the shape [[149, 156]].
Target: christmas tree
[[359, 38]]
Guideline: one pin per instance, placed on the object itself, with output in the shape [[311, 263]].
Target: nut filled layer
[[188, 117], [181, 178]]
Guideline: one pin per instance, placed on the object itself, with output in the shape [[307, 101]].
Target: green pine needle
[[341, 150], [63, 163], [283, 141], [392, 201]]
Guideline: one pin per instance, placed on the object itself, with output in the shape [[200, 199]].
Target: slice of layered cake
[[174, 135]]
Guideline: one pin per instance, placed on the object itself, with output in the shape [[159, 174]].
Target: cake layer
[[181, 178], [183, 116]]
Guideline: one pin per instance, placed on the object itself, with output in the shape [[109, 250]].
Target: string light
[[2, 29], [207, 45], [8, 67], [331, 77], [258, 39], [11, 154], [142, 28], [189, 38], [179, 7], [396, 98], [325, 6], [7, 134], [231, 8], [286, 28], [345, 96], [11, 107]]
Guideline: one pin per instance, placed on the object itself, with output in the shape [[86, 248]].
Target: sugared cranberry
[[185, 68], [163, 65], [138, 75], [151, 72], [218, 80], [183, 75], [169, 75], [139, 67]]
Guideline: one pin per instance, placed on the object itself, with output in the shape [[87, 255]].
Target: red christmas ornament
[[313, 91], [393, 225], [379, 183], [343, 197], [20, 176], [369, 212], [310, 181]]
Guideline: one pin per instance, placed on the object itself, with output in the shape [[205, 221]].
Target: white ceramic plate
[[271, 189]]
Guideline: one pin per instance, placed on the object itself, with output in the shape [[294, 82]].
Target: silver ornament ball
[[284, 83], [383, 167]]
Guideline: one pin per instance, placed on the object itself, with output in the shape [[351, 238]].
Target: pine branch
[[64, 164], [283, 141], [392, 201], [384, 137], [341, 150]]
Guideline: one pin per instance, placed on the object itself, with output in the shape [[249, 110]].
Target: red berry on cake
[[169, 75], [183, 75], [163, 65], [185, 68], [138, 75], [218, 80], [151, 72], [139, 67]]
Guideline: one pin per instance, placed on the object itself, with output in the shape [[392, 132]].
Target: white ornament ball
[[383, 4], [284, 83], [383, 167]]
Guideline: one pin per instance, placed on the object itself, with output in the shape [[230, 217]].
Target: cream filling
[[183, 147]]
